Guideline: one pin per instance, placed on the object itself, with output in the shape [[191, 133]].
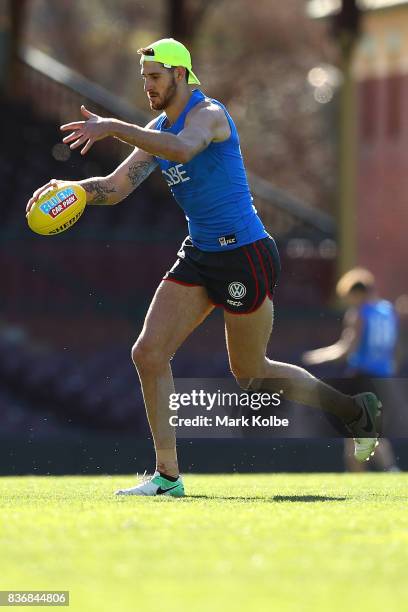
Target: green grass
[[239, 542]]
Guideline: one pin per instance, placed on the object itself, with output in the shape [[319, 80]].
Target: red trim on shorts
[[264, 271], [255, 277], [270, 263], [179, 282], [234, 312]]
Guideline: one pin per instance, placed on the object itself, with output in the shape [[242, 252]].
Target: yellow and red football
[[57, 209]]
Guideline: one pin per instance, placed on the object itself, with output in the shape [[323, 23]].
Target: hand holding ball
[[55, 207]]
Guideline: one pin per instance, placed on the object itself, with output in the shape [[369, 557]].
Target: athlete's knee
[[147, 356], [276, 369], [249, 384], [250, 377]]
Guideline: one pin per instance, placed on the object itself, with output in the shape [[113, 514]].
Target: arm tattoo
[[100, 191], [138, 171]]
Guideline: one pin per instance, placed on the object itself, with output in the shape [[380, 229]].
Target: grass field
[[238, 542]]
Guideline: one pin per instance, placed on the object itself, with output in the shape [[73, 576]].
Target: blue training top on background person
[[376, 353]]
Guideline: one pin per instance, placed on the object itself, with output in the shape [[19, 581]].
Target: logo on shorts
[[236, 290], [234, 303], [226, 240]]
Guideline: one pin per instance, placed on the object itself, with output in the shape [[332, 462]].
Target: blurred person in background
[[228, 260], [367, 345]]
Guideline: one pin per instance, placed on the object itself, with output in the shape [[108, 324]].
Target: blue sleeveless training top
[[212, 189], [376, 353]]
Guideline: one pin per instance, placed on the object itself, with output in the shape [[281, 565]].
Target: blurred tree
[[12, 20], [98, 38], [345, 28], [256, 59], [184, 18], [346, 20]]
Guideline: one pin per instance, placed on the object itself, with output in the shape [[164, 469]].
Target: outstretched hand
[[311, 357], [86, 132], [320, 355]]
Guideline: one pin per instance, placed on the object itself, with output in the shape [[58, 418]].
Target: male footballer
[[227, 260]]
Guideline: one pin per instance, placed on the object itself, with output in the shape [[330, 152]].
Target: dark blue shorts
[[238, 280]]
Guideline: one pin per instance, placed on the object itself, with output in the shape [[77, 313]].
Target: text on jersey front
[[175, 175]]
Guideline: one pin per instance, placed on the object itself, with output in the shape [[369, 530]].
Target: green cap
[[170, 53]]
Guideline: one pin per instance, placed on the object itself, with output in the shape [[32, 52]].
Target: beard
[[165, 99]]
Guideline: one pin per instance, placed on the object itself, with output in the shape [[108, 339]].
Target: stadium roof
[[318, 9]]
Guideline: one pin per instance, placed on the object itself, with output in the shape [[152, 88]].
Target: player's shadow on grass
[[276, 498], [306, 498]]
